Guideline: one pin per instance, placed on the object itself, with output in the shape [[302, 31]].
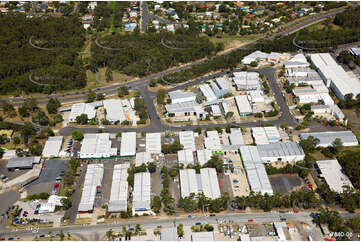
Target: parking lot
[[285, 183], [51, 169], [10, 174]]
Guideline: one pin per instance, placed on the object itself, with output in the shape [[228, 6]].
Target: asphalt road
[[168, 222], [157, 126], [81, 95], [145, 16]]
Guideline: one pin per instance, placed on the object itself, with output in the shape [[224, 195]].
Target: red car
[[56, 186], [250, 220]]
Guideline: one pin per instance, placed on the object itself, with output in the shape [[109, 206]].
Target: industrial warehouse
[[206, 182], [119, 191], [327, 138]]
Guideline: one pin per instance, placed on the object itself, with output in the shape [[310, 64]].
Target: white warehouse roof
[[153, 143], [333, 174], [119, 191], [236, 137], [143, 157], [128, 144], [341, 82], [180, 96], [78, 109], [326, 138], [288, 151], [141, 192], [186, 138], [209, 181], [212, 142], [243, 104], [97, 146], [93, 179], [185, 157], [256, 172], [259, 135], [52, 146], [204, 156], [207, 92], [188, 182]]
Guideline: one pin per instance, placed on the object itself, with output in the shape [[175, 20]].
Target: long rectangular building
[[97, 146], [186, 138], [335, 76], [243, 105], [209, 181], [255, 170], [153, 143], [141, 193], [128, 144], [212, 142], [93, 179], [326, 138], [281, 151], [78, 109], [119, 191], [332, 172], [143, 157], [185, 157], [207, 92], [204, 156], [52, 146], [188, 182]]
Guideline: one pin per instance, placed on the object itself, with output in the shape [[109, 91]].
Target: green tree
[[123, 91], [109, 234], [82, 119], [61, 235], [337, 145], [77, 135], [229, 115], [53, 105], [108, 75], [156, 204], [355, 224], [66, 203], [91, 96], [152, 166], [100, 96], [215, 162]]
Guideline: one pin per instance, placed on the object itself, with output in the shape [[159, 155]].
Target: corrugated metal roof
[[128, 144], [52, 146], [188, 182], [23, 162], [204, 156], [259, 135], [185, 157], [212, 142], [333, 174], [143, 157], [344, 83], [141, 192], [243, 104], [97, 145], [119, 191], [326, 138], [209, 181], [236, 137], [93, 178], [183, 107], [153, 143], [186, 138], [202, 236], [255, 170], [180, 94], [207, 92], [78, 109], [287, 151]]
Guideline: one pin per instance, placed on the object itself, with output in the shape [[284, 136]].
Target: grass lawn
[[353, 121]]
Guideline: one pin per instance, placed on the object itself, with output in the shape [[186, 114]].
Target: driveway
[[44, 183]]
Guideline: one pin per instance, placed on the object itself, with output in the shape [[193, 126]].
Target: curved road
[[157, 126], [81, 95]]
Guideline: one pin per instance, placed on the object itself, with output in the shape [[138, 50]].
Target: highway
[[150, 222]]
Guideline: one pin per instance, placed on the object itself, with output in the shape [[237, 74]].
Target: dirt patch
[[353, 121]]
